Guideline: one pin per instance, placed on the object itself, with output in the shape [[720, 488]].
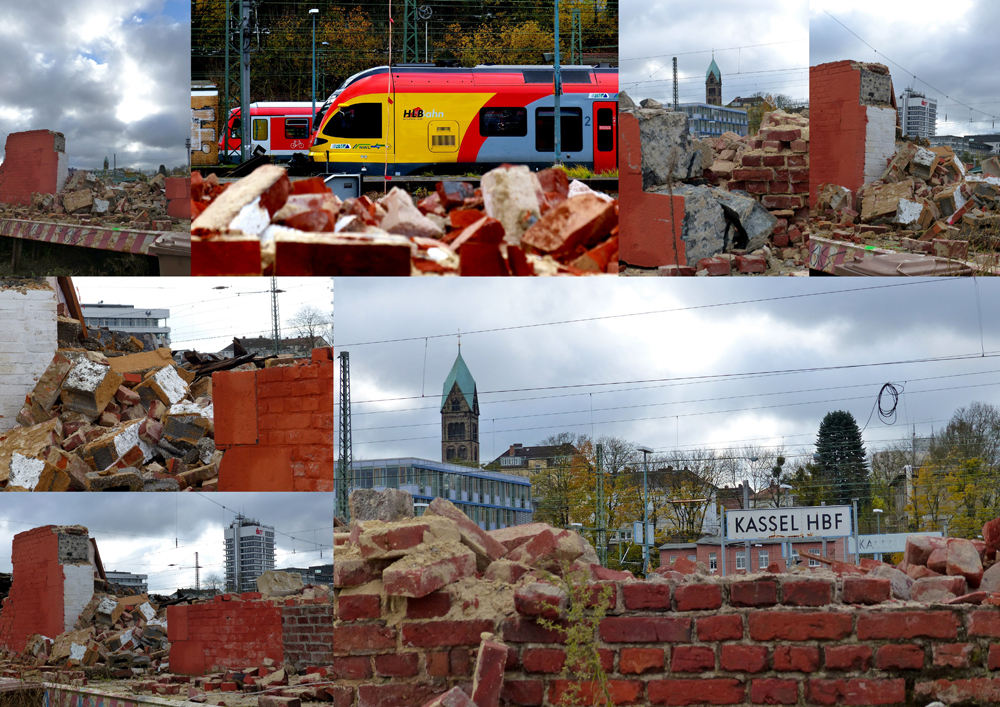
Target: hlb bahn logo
[[421, 113]]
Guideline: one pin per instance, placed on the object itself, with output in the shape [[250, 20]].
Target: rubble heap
[[926, 202], [517, 223], [89, 200], [743, 200]]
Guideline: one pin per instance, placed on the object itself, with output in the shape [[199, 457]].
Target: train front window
[[236, 133], [260, 128], [360, 121], [571, 127], [503, 122], [296, 128]]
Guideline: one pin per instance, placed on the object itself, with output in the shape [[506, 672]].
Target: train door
[[260, 132], [605, 136]]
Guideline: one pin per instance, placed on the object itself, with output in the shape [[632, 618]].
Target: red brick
[[900, 657], [866, 590], [352, 668], [530, 693], [747, 264], [715, 266], [525, 630], [432, 606], [977, 691], [908, 624], [848, 657], [856, 692], [743, 659], [460, 661], [540, 599], [773, 691], [956, 655], [646, 595], [797, 626], [639, 660], [543, 660], [984, 623], [774, 160], [993, 661], [714, 691], [397, 694], [720, 628], [692, 659], [636, 629], [488, 679], [445, 633], [359, 606], [438, 665], [623, 692], [363, 638], [395, 665], [759, 593], [807, 593], [698, 597]]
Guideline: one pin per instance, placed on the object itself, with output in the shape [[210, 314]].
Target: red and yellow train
[[417, 118]]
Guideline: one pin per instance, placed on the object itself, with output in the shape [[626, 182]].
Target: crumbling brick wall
[[52, 582], [239, 630], [307, 634], [275, 426], [794, 639], [34, 161], [854, 120], [28, 313]]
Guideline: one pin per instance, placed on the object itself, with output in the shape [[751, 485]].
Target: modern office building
[[960, 144], [249, 553], [490, 498], [128, 580], [706, 120], [917, 114], [317, 574], [143, 324]]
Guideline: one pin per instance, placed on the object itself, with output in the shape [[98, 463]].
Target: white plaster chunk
[[147, 611], [86, 375], [171, 383], [76, 651], [25, 471], [252, 219], [207, 412], [129, 438], [107, 606], [78, 589], [908, 212], [924, 157]]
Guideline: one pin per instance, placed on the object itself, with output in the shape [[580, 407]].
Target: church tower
[[459, 414], [713, 84]]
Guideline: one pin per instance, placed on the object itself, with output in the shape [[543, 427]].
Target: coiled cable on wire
[[886, 411]]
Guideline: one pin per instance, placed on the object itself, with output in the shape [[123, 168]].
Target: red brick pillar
[[34, 161]]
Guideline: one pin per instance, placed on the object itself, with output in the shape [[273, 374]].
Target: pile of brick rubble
[[516, 223]]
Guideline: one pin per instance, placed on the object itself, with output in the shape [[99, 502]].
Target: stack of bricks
[[34, 161], [237, 630], [775, 171], [275, 426], [28, 313], [794, 639]]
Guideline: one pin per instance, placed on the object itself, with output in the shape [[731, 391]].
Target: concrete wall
[[793, 639], [275, 426], [34, 161], [27, 343]]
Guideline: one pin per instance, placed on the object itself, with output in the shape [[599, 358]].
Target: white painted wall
[[880, 141], [78, 589], [27, 344]]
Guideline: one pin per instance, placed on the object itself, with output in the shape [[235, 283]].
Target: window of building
[[463, 453], [673, 558], [571, 127], [762, 559], [741, 559], [392, 477], [456, 405], [712, 562], [693, 558], [503, 122], [456, 430], [360, 121]]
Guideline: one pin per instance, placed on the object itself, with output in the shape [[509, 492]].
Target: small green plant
[[582, 172], [585, 609]]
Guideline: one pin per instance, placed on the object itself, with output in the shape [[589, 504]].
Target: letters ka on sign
[[809, 522]]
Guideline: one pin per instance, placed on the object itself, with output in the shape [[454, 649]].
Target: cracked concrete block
[[404, 219], [511, 196], [46, 392], [387, 505], [752, 223], [666, 142], [104, 452], [89, 387], [704, 227], [127, 480], [274, 583], [165, 385], [77, 201], [30, 474]]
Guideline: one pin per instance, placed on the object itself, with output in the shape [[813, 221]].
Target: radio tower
[[197, 576], [675, 84], [275, 326], [346, 456]]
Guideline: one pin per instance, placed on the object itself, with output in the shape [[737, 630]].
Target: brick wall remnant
[[836, 635], [275, 426], [34, 161], [28, 313]]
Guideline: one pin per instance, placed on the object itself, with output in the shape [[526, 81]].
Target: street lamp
[[314, 12], [646, 451], [780, 487]]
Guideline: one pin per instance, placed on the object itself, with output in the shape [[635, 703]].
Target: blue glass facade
[[491, 499]]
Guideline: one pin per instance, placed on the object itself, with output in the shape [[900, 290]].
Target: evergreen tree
[[841, 458]]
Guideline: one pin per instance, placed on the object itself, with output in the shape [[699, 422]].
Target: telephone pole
[[346, 455]]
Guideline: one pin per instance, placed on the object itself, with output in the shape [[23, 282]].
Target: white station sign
[[788, 523], [890, 542]]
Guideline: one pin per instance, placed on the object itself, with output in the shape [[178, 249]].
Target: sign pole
[[723, 541], [857, 549]]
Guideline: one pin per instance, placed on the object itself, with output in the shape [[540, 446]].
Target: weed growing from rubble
[[583, 660]]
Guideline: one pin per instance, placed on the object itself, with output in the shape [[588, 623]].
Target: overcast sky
[[945, 45], [651, 32], [157, 534], [535, 382], [112, 75], [205, 318]]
